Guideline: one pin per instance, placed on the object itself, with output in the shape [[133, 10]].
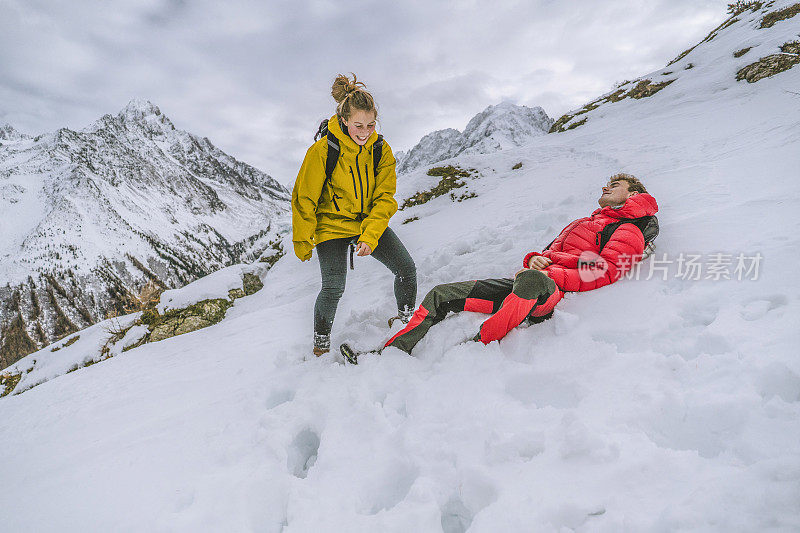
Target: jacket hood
[[344, 139], [638, 205]]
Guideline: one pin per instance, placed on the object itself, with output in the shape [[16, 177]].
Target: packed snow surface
[[664, 403]]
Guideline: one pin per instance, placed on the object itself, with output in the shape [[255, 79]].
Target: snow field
[[649, 405]]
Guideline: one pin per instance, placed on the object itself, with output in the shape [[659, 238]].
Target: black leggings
[[333, 266]]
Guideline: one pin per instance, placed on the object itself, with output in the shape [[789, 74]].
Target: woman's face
[[360, 125]]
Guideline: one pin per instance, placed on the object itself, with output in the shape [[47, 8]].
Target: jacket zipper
[[355, 190], [333, 197], [366, 173], [360, 186]]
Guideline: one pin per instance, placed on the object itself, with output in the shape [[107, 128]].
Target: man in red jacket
[[589, 253]]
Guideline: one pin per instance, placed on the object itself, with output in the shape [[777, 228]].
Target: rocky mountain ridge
[[90, 217], [764, 52]]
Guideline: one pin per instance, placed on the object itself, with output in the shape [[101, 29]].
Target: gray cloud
[[255, 76]]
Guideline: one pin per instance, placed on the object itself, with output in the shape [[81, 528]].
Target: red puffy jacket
[[578, 262]]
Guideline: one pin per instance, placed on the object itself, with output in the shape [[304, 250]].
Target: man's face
[[615, 193]]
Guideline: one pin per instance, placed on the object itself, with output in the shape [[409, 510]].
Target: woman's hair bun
[[351, 94]]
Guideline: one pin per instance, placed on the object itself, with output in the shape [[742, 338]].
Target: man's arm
[[550, 254], [622, 251]]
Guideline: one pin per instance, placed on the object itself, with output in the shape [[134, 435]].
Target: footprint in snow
[[279, 397], [756, 309], [777, 379], [302, 453], [475, 493]]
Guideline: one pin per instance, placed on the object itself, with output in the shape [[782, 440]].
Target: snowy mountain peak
[[139, 107], [92, 215], [138, 113], [9, 133], [507, 124], [497, 127]]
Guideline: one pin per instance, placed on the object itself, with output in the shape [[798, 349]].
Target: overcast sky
[[255, 76]]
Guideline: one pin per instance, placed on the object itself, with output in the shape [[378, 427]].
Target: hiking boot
[[322, 344], [403, 316]]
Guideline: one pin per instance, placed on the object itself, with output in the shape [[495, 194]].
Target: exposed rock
[[8, 381], [770, 65], [776, 16], [235, 294], [180, 321], [192, 323], [197, 316], [274, 252], [69, 342], [643, 89], [646, 88], [450, 179], [251, 283], [740, 6]]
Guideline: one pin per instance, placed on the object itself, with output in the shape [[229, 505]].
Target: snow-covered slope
[[88, 217], [496, 128], [664, 403]]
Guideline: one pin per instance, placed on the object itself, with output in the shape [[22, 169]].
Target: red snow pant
[[532, 294]]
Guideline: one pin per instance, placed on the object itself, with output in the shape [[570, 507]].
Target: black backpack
[[648, 225], [334, 151]]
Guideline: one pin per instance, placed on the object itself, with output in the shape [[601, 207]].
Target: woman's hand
[[363, 249]]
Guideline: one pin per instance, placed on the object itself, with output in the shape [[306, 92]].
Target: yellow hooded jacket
[[355, 202]]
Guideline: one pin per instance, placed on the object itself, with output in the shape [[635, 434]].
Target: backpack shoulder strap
[[333, 149], [648, 225], [333, 156], [377, 152]]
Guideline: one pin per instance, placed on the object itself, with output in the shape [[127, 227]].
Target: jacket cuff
[[302, 250], [528, 258], [372, 244]]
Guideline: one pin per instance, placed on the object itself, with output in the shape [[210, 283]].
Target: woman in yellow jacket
[[353, 208]]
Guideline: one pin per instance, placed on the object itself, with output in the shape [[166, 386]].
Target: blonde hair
[[350, 95], [634, 185]]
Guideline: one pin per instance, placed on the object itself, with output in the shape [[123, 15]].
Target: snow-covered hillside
[[496, 128], [670, 402], [89, 216]]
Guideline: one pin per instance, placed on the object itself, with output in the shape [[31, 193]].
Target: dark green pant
[[333, 266], [510, 301]]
